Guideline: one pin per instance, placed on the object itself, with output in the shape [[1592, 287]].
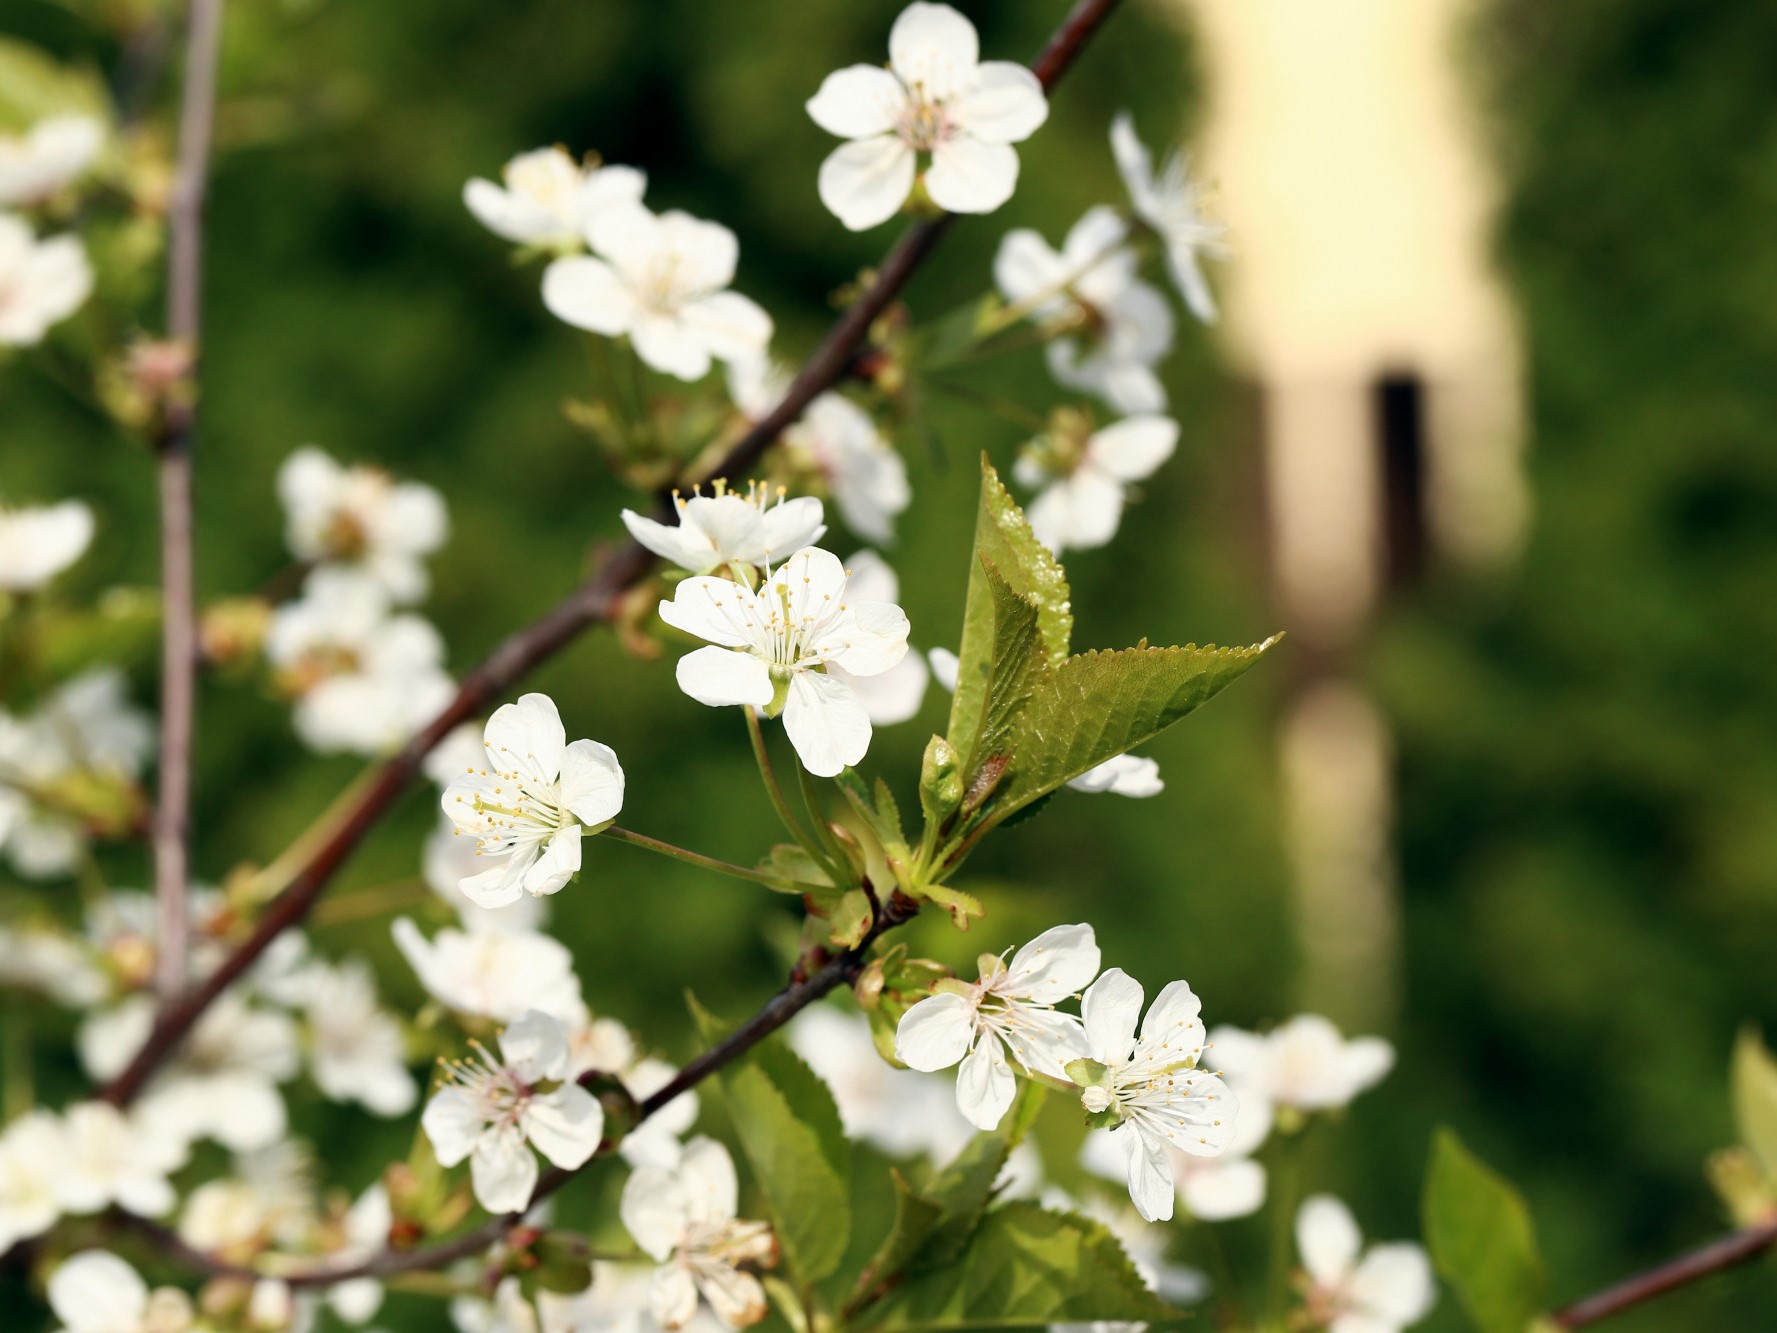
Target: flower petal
[[934, 48], [592, 782], [970, 175], [736, 1297], [670, 345], [453, 1122], [1110, 1010], [535, 1047], [501, 884], [715, 610], [565, 1125], [653, 1210], [502, 1171], [97, 1290], [1327, 1239], [731, 326], [826, 723], [684, 547], [935, 1033], [1218, 1190], [1395, 1283], [1078, 513], [985, 1084], [1004, 103], [719, 676], [1133, 448], [672, 1296], [588, 294], [1173, 1021], [527, 735], [864, 183], [1150, 1175], [559, 863], [858, 101], [1060, 961]]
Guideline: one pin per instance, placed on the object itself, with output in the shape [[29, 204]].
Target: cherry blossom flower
[[727, 528], [492, 974], [662, 279], [51, 154], [835, 442], [1383, 1290], [769, 649], [449, 858], [528, 810], [1212, 1189], [50, 963], [936, 97], [356, 1049], [96, 1292], [493, 1112], [268, 1199], [896, 694], [1112, 327], [686, 1219], [1011, 1009], [1303, 1065], [41, 282], [31, 1162], [112, 1158], [1085, 478], [39, 542], [655, 1142], [549, 199], [900, 1111], [362, 518], [366, 1227], [1150, 1085], [1123, 775], [1170, 203]]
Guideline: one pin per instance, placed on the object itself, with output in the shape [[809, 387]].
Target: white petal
[[1078, 513], [527, 735], [1003, 104], [712, 1190], [893, 696], [653, 1210], [453, 1123], [857, 102], [672, 1296], [1110, 1010], [935, 1033], [670, 345], [1327, 1239], [1056, 964], [535, 1047], [864, 183], [1150, 1176], [970, 175], [1366, 1061], [1233, 1187], [715, 610], [985, 1084], [731, 326], [502, 1171], [876, 640], [1026, 267], [736, 1296], [826, 723], [97, 1291], [1055, 1041], [673, 542], [945, 666], [588, 294], [592, 782], [719, 676], [1133, 448], [935, 48], [1173, 1019], [1394, 1281], [559, 863], [565, 1125], [500, 885]]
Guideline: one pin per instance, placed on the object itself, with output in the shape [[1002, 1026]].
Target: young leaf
[[1481, 1239], [1024, 1266], [1755, 1098], [915, 1216], [789, 1129]]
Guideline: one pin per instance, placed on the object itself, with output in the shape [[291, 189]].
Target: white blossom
[[1152, 1085], [39, 542], [449, 858], [655, 1142], [1212, 1189], [896, 694], [50, 155], [1010, 1010], [686, 1218], [529, 808], [42, 282], [46, 961], [1170, 203], [494, 1111], [727, 529], [1304, 1064], [901, 1111], [96, 1292], [109, 1158], [769, 649], [661, 279], [1113, 327], [363, 518], [1123, 775], [1085, 482], [1383, 1290], [492, 974], [547, 198], [268, 1199], [936, 97], [367, 1225], [31, 1162], [356, 1049]]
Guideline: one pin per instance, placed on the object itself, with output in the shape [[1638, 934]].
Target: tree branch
[[592, 602], [1717, 1256], [185, 225], [780, 1009]]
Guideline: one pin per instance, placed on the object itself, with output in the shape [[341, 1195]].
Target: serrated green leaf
[[789, 1128], [884, 819], [791, 867], [1005, 546], [1025, 1266], [1755, 1098], [915, 1216], [1480, 1235], [965, 1187]]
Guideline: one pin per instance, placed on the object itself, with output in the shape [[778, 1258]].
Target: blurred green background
[[1587, 745]]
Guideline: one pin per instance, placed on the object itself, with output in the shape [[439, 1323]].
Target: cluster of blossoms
[[43, 279]]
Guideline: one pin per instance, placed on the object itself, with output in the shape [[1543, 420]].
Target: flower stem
[[1285, 1186], [757, 734], [692, 858], [812, 799]]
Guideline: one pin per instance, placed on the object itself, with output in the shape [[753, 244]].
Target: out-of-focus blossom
[[727, 528], [110, 1158], [51, 155], [1382, 1290], [39, 542], [547, 198], [31, 1162], [1170, 203], [1084, 479], [1122, 775], [96, 1292], [362, 518], [901, 1111], [896, 694], [42, 282], [493, 974], [1304, 1065]]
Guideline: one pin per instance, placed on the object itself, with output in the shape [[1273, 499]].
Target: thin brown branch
[[592, 602], [1717, 1256], [185, 227], [780, 1009]]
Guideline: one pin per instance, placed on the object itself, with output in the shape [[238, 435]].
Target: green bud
[[940, 782]]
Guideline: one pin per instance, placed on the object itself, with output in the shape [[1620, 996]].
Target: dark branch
[[1715, 1257]]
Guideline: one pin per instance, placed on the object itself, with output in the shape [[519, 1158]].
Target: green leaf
[[850, 919], [792, 867], [123, 628], [33, 86], [789, 1129], [1004, 545], [1755, 1098], [1481, 1239], [915, 1216], [965, 1187], [1024, 1266]]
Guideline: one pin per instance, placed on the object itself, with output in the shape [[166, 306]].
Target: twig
[[592, 602], [780, 1009], [1717, 1256], [185, 225]]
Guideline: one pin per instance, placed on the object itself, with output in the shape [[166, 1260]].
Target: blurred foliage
[[1588, 775]]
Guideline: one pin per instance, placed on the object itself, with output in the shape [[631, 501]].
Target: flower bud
[[1096, 1099], [940, 781]]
